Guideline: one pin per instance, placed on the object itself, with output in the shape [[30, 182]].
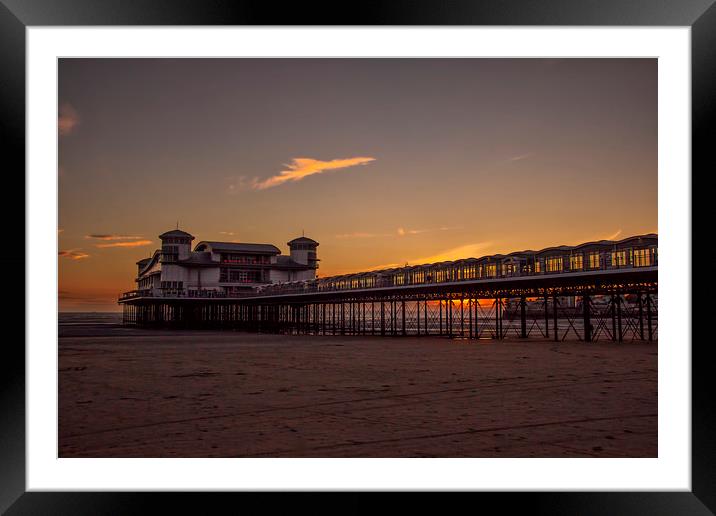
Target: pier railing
[[183, 293]]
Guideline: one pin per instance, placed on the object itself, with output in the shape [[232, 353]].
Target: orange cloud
[[73, 254], [67, 120], [475, 250], [136, 243], [113, 237], [300, 168]]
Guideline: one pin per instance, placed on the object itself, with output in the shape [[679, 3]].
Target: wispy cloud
[[474, 250], [113, 237], [135, 243], [613, 236], [519, 157], [67, 119], [404, 232], [359, 234], [401, 231], [597, 238], [73, 254], [229, 233], [298, 169]]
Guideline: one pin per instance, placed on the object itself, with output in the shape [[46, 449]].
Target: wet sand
[[139, 393]]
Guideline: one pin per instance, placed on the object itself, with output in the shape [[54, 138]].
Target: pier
[[595, 291]]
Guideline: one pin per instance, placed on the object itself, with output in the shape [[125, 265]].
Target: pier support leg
[[363, 321], [477, 326], [402, 302], [417, 316], [523, 317], [372, 317], [440, 302], [546, 316], [393, 318], [425, 313], [619, 318], [587, 319], [641, 317], [343, 318], [614, 317], [382, 318], [448, 316], [323, 318], [333, 318], [502, 318], [554, 317], [462, 316], [650, 332]]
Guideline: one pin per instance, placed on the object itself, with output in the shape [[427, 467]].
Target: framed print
[[416, 252]]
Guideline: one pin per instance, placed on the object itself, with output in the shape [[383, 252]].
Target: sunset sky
[[382, 161]]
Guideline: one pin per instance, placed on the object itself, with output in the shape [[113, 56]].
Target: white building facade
[[221, 269]]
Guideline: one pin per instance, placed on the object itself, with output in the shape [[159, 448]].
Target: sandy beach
[[126, 392]]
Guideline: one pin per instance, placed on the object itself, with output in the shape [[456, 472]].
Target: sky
[[382, 161]]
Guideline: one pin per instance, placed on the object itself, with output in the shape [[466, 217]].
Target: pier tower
[[176, 245], [303, 251]]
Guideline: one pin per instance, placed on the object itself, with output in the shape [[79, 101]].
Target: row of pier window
[[502, 267]]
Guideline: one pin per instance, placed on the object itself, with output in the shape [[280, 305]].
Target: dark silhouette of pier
[[595, 291]]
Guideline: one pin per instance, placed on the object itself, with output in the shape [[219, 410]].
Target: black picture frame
[[17, 15]]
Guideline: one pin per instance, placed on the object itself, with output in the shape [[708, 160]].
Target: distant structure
[[222, 268]]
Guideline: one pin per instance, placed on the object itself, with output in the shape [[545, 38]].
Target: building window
[[490, 270], [575, 262], [554, 264], [642, 257], [594, 261], [619, 258], [538, 267], [245, 258], [227, 275]]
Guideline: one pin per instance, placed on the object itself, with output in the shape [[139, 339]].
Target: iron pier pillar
[[554, 317], [587, 318]]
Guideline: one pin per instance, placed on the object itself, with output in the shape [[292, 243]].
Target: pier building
[[221, 269]]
